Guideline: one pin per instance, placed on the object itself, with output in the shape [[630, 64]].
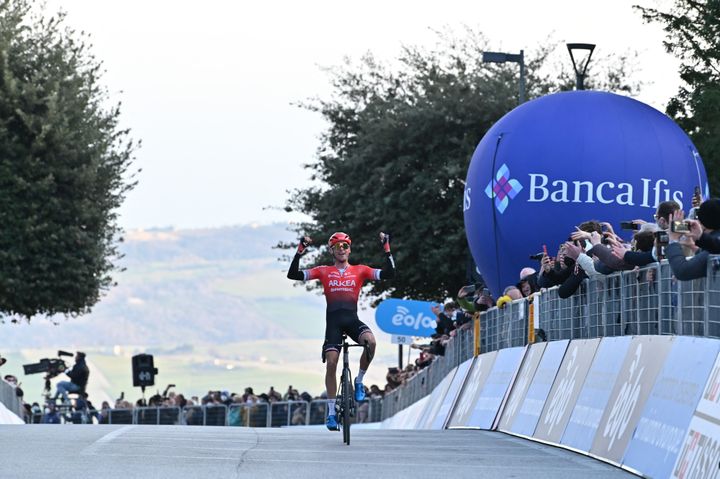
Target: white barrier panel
[[527, 418], [495, 389], [642, 364], [521, 385], [566, 389], [468, 397], [660, 432], [408, 417], [700, 452], [438, 422], [596, 389], [436, 400]]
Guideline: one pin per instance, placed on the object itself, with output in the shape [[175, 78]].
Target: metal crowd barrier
[[645, 301], [275, 414]]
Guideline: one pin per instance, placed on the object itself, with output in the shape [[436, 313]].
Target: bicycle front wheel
[[346, 407]]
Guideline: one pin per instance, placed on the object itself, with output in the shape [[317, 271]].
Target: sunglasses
[[339, 246]]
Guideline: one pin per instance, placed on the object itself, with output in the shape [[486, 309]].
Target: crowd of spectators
[[592, 249], [196, 410]]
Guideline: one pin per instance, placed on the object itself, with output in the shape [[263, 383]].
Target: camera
[[51, 366], [629, 225], [680, 227]]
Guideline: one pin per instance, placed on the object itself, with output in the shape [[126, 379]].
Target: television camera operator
[[78, 378]]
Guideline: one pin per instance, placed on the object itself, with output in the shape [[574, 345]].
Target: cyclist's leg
[[331, 353], [331, 360], [366, 358], [360, 333]]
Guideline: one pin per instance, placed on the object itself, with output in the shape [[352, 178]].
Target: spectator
[[51, 416], [78, 375], [554, 271], [702, 236], [528, 282], [444, 318], [695, 267]]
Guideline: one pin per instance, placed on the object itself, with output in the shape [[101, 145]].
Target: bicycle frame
[[347, 401]]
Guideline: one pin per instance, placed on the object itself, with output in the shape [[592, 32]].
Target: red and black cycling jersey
[[342, 287]]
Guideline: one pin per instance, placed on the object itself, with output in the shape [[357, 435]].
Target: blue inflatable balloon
[[565, 158]]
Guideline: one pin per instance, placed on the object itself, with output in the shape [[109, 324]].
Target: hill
[[178, 286], [213, 306]]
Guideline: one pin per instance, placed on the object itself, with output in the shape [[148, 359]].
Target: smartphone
[[629, 225], [680, 227], [545, 250], [661, 237], [470, 288]]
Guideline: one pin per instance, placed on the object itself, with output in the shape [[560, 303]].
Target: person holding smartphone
[[686, 269]]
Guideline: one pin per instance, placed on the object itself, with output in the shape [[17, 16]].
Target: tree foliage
[[63, 165], [693, 35], [399, 140]]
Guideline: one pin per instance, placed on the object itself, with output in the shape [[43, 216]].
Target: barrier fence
[[274, 414], [648, 301]]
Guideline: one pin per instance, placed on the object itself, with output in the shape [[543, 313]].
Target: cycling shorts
[[338, 322]]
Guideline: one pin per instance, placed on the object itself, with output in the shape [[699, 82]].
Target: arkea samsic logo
[[503, 188]]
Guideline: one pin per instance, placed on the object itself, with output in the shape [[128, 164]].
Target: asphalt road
[[109, 452]]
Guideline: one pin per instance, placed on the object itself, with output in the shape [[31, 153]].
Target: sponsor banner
[[532, 406], [436, 400], [593, 398], [496, 387], [660, 432], [566, 389], [700, 453], [406, 317], [521, 385], [643, 362], [470, 393], [452, 393]]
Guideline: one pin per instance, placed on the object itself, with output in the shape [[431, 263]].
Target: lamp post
[[519, 58], [580, 67]]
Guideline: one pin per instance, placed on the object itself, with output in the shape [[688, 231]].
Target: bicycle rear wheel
[[346, 406]]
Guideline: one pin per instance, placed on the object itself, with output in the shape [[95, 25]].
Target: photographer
[[686, 269], [78, 379]]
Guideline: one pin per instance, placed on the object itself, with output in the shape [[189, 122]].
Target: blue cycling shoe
[[359, 391], [331, 423]]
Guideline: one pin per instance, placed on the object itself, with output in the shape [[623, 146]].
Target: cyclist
[[341, 283]]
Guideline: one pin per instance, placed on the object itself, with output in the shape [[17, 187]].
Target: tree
[[692, 35], [64, 168], [397, 148]]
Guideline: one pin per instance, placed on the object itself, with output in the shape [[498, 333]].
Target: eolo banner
[[562, 159], [406, 317]]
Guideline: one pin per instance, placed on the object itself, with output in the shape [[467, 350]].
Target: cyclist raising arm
[[341, 284]]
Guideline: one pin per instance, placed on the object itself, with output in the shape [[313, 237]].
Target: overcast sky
[[208, 86]]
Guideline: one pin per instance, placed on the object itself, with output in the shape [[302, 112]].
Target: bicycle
[[345, 408]]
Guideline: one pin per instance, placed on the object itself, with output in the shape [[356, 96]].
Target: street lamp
[[580, 49], [497, 57]]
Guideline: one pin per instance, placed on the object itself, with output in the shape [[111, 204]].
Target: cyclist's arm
[[388, 270], [294, 271]]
